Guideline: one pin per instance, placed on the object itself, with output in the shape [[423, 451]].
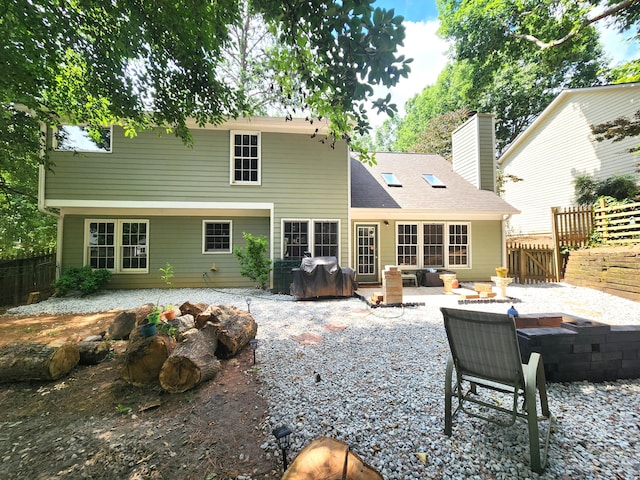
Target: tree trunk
[[234, 329], [35, 361], [192, 362], [325, 458], [144, 357]]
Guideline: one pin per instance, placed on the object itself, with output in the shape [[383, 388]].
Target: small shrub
[[254, 263], [85, 279]]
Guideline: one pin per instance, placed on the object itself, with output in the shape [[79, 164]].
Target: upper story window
[[216, 236], [434, 181], [81, 138], [245, 157], [391, 180]]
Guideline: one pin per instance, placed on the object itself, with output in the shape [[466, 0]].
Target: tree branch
[[585, 23]]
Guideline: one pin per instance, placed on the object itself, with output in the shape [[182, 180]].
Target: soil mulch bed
[[92, 424]]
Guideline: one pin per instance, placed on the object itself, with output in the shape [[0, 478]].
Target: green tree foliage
[[449, 93], [138, 64], [21, 224], [254, 263], [621, 187], [618, 129], [436, 137], [508, 72]]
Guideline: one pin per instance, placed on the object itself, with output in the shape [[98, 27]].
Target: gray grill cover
[[322, 277]]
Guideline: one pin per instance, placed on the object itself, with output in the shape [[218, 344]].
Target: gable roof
[[563, 97], [370, 191]]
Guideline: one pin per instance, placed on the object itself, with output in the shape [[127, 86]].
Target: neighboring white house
[[558, 147]]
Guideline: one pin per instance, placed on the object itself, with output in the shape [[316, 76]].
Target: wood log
[[182, 323], [121, 327], [144, 357], [21, 362], [325, 458], [92, 353], [194, 309], [234, 328], [192, 362]]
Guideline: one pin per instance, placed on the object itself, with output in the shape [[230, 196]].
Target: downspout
[[41, 203]]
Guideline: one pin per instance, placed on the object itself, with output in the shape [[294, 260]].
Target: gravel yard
[[374, 378]]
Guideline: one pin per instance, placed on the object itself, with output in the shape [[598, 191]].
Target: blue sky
[[429, 52], [413, 10]]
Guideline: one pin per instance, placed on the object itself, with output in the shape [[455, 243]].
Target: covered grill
[[322, 277]]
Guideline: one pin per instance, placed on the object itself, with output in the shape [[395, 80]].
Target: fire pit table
[[575, 348]]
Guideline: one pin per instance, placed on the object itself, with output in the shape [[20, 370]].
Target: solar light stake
[[253, 343], [282, 436], [248, 300]]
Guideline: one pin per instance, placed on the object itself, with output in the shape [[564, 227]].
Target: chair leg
[[448, 397], [531, 380]]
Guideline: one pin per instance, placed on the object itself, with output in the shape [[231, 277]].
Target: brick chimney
[[474, 151]]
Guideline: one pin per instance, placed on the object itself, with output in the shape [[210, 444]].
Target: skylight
[[434, 181], [391, 180]]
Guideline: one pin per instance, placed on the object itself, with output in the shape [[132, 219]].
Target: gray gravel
[[381, 381]]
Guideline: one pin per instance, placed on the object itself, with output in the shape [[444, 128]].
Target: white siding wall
[[560, 147], [465, 151], [473, 151]]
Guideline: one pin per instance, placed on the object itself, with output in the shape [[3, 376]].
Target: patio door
[[367, 253]]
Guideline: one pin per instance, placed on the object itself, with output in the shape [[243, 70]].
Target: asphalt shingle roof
[[369, 189]]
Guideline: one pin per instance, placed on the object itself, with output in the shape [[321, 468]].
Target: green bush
[[620, 187], [254, 263], [85, 279]]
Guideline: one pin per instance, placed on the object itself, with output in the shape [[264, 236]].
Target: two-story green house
[[132, 205]]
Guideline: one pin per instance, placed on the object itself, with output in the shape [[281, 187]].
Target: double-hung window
[[216, 236], [245, 157], [458, 245], [120, 246], [440, 245], [325, 239], [295, 237], [321, 238], [407, 247]]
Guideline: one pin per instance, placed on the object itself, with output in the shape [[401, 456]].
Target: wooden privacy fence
[[618, 224], [572, 226], [21, 276], [531, 263]]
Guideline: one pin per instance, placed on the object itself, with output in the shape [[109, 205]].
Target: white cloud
[[429, 58]]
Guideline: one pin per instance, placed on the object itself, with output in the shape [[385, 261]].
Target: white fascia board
[[115, 207], [268, 124], [358, 214]]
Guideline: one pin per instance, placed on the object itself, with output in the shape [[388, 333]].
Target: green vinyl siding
[[301, 177], [177, 240], [485, 248]]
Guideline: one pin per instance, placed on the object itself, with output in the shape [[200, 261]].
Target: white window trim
[[217, 252], [232, 179], [312, 245], [118, 244], [311, 233], [298, 220], [54, 141], [420, 245]]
